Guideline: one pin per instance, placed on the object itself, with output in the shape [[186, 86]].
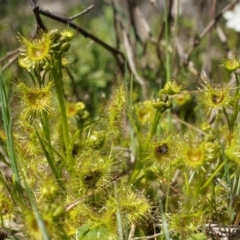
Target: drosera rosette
[[35, 100], [74, 109], [232, 151], [48, 189], [87, 221], [182, 98], [90, 211], [159, 149], [171, 88], [186, 222], [77, 216], [192, 155], [231, 63], [92, 171], [164, 150], [38, 53], [51, 217], [31, 225], [8, 211], [133, 206], [160, 154], [51, 213], [27, 143], [144, 112], [197, 153], [214, 97]]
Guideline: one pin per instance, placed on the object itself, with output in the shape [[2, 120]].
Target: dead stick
[[116, 53]]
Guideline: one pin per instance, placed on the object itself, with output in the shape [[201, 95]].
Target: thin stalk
[[236, 104], [46, 131], [213, 175], [50, 162], [236, 94], [168, 56], [32, 78], [168, 191], [8, 129], [237, 83], [130, 113], [38, 77], [37, 214], [154, 124], [230, 125], [176, 18], [57, 77], [4, 183], [164, 222], [119, 218], [238, 182], [168, 70]]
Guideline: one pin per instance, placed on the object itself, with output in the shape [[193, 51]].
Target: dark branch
[[33, 3], [116, 53], [39, 21]]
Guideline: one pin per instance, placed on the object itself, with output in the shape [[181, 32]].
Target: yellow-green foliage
[[88, 159]]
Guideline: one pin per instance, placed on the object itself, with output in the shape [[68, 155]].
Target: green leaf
[[198, 236], [89, 232]]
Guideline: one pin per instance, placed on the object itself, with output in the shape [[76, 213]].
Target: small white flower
[[233, 18]]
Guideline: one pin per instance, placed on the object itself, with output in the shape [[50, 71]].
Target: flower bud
[[210, 147], [168, 104], [159, 105], [172, 87], [65, 47], [54, 35], [161, 92], [163, 97], [67, 35]]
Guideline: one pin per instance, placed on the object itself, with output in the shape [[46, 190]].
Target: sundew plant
[[127, 128]]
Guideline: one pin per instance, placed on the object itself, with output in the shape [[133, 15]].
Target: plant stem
[[46, 131], [168, 71], [213, 175], [230, 125], [236, 104], [9, 134], [57, 77], [154, 124], [118, 213]]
